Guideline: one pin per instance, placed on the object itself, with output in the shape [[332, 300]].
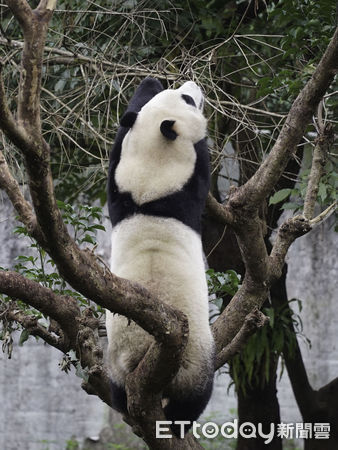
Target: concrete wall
[[41, 407]]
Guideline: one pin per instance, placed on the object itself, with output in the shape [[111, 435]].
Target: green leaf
[[290, 205], [23, 337], [279, 196], [60, 204], [88, 239], [322, 192], [96, 227]]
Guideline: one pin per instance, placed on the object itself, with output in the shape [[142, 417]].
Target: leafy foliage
[[251, 368], [327, 192], [221, 284]]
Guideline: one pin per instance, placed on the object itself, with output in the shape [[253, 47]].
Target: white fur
[[191, 88], [151, 165], [166, 257]]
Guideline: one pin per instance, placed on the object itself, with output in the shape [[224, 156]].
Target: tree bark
[[259, 404]]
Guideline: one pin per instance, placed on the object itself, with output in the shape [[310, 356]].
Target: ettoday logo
[[210, 430], [247, 430]]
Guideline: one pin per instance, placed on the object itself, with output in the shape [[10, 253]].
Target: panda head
[[173, 112], [158, 152]]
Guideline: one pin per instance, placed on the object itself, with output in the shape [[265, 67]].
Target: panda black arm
[[148, 88]]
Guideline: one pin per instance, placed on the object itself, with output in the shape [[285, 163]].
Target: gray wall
[[41, 406]]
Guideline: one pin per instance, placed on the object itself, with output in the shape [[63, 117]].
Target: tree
[[73, 327]]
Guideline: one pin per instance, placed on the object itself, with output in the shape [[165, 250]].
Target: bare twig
[[303, 108], [324, 215], [324, 141], [31, 324]]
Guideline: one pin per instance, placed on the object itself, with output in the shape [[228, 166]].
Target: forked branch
[[244, 203]]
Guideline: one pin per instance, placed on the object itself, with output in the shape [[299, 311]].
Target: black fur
[[189, 100], [167, 129], [179, 408], [188, 408], [128, 119], [119, 397]]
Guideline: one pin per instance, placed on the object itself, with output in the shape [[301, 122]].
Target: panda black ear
[[167, 130], [128, 119]]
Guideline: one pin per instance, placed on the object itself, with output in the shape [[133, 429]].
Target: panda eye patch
[[188, 100]]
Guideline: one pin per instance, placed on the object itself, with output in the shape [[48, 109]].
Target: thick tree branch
[[61, 308], [8, 124], [252, 323], [34, 24], [304, 394], [80, 268], [145, 384], [69, 328], [22, 12], [329, 394], [91, 357], [324, 215], [46, 5], [254, 290], [288, 232], [218, 211], [21, 205], [228, 324], [297, 226]]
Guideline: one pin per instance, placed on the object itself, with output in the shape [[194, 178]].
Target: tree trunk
[[260, 405]]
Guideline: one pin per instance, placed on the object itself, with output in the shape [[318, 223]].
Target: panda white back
[[158, 182]]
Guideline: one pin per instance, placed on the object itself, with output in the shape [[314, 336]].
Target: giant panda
[[157, 186]]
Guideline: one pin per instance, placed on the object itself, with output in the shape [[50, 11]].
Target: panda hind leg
[[119, 397], [187, 408]]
